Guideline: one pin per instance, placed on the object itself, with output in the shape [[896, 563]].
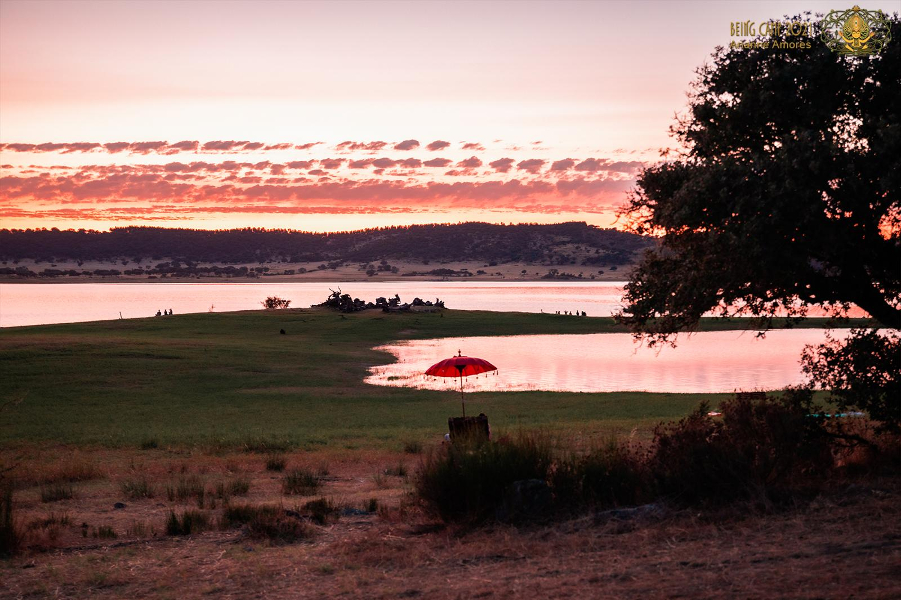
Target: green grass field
[[227, 380]]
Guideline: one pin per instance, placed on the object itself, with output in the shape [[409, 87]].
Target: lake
[[44, 303], [40, 303], [707, 362]]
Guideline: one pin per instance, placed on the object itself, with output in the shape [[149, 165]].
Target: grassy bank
[[228, 380]]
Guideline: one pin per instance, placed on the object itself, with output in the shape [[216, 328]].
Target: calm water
[[35, 304], [722, 361]]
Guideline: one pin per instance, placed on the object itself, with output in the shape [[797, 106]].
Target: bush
[[186, 488], [759, 450], [274, 302], [275, 462], [55, 492], [469, 481], [860, 373], [266, 522], [301, 482], [611, 475], [321, 510], [242, 514], [191, 521]]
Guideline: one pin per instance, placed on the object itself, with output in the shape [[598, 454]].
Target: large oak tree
[[785, 193]]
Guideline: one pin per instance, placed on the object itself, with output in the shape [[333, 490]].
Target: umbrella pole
[[462, 400]]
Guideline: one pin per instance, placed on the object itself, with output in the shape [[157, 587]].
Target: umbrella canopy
[[460, 366]]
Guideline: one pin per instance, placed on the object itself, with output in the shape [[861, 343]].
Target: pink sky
[[330, 116]]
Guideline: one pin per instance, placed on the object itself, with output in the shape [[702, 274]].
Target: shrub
[[760, 450], [186, 488], [135, 489], [55, 492], [275, 462], [191, 521], [239, 486], [279, 529], [861, 372], [320, 510], [469, 481], [241, 514], [274, 302], [301, 482], [266, 522], [608, 476]]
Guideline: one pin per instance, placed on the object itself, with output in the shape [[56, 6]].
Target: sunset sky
[[344, 115]]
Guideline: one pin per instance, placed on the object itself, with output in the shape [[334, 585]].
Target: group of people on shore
[[574, 313], [165, 313]]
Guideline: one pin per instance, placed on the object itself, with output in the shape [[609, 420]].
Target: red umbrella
[[460, 366]]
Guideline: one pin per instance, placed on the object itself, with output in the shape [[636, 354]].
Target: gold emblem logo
[[856, 32]]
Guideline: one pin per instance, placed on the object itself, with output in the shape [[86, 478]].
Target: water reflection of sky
[[723, 361], [31, 304]]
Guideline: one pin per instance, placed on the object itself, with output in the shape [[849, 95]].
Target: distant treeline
[[560, 244]]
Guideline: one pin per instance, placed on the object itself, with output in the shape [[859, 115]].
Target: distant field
[[230, 380]]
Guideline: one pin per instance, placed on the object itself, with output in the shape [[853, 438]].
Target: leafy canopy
[[785, 195]]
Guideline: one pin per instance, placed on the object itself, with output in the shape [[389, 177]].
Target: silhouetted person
[[159, 314]]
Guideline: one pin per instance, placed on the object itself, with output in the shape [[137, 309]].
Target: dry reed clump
[[59, 490], [276, 462], [186, 488], [300, 482], [267, 522], [190, 521]]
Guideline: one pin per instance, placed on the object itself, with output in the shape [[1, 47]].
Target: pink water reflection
[[723, 361]]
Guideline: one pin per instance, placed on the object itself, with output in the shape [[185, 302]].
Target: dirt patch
[[847, 543]]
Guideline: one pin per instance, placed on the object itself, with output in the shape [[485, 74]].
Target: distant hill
[[560, 244]]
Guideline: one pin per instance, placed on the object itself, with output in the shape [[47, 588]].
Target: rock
[[349, 511], [119, 505]]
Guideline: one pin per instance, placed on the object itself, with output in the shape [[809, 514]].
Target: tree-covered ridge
[[465, 241]]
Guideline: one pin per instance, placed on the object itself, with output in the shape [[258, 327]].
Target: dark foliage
[[864, 372], [769, 451], [465, 241], [190, 521], [274, 302], [470, 481], [788, 194], [759, 450], [612, 475], [786, 197]]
